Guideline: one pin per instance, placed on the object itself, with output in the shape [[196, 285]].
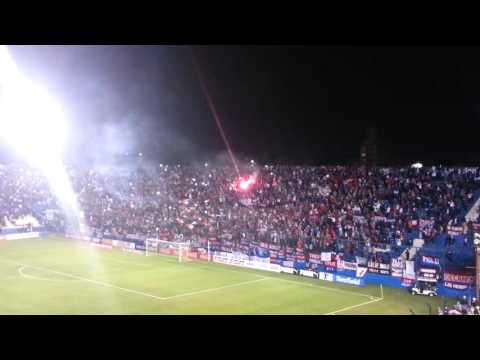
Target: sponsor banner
[[276, 261], [240, 255], [307, 273], [459, 277], [345, 265], [236, 259], [349, 280], [274, 267], [325, 276], [135, 237], [373, 267], [455, 286], [261, 266], [29, 235], [288, 263], [427, 275], [330, 265], [102, 246], [133, 251], [127, 245], [287, 270], [430, 260], [378, 268], [260, 259], [407, 282], [361, 271], [140, 247]]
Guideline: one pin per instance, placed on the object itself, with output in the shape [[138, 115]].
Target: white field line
[[101, 283], [354, 306], [134, 291], [228, 269], [27, 276], [181, 295], [279, 279], [216, 289], [324, 287], [299, 283], [361, 304]]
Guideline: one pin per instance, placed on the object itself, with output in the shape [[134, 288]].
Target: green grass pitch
[[61, 276]]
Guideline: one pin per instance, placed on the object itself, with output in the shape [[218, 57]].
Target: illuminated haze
[[33, 124]]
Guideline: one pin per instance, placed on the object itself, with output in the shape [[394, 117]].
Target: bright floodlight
[[417, 165], [34, 125], [30, 120]]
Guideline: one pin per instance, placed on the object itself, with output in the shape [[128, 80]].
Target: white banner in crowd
[[345, 265], [409, 268], [326, 256], [398, 265]]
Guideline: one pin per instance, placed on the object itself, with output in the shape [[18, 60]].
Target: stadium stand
[[379, 214]]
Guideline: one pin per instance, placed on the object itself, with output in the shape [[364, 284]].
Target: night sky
[[284, 104]]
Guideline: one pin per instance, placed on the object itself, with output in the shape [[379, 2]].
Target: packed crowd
[[463, 306], [322, 207]]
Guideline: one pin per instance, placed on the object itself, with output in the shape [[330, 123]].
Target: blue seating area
[[457, 256]]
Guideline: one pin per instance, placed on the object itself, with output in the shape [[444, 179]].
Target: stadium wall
[[263, 262]]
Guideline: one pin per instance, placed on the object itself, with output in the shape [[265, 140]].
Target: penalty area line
[[101, 283], [354, 306], [32, 277], [216, 289]]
